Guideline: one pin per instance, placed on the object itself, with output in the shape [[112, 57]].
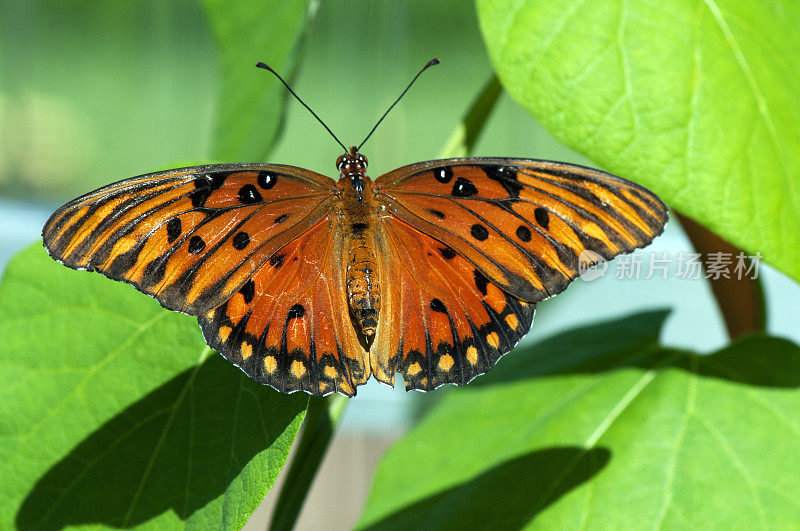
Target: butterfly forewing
[[523, 223], [190, 237]]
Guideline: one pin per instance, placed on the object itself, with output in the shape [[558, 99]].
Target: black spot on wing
[[438, 213], [248, 291], [277, 260], [173, 230], [542, 217], [438, 306], [505, 176], [443, 174], [204, 185], [241, 240], [524, 233], [481, 282], [447, 253], [464, 188], [249, 195], [266, 180], [479, 232], [295, 312], [196, 245], [281, 218]]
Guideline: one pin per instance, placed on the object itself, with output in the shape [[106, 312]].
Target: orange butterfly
[[306, 283]]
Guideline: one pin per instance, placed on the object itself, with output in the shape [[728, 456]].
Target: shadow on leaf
[[632, 341], [177, 449], [507, 496]]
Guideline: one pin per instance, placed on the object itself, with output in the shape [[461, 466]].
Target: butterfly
[[311, 284]]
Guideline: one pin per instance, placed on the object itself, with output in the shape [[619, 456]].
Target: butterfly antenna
[[267, 67], [430, 63]]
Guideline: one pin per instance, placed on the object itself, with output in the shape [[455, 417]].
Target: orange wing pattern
[[190, 237], [470, 245], [523, 223], [463, 249], [445, 322], [288, 326]]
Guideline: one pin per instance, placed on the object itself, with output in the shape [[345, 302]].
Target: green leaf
[[250, 106], [114, 412], [696, 100], [602, 427]]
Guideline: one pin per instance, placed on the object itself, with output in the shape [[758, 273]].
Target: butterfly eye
[[363, 160], [339, 162]]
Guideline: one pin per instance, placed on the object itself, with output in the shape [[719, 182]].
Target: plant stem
[[322, 419], [462, 139], [741, 300]]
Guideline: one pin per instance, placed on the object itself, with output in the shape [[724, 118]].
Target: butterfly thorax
[[363, 286], [353, 167]]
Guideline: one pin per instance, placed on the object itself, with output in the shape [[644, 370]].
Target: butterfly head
[[352, 163]]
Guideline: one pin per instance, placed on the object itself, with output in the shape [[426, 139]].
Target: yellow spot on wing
[[472, 355], [298, 369], [224, 332], [270, 364], [330, 372], [247, 350], [493, 339], [414, 369], [446, 362], [512, 320]]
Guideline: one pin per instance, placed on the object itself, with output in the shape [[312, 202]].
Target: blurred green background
[[94, 92]]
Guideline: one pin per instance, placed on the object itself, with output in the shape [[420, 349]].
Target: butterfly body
[[360, 217], [432, 270]]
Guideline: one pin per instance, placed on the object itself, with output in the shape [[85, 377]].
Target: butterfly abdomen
[[363, 286]]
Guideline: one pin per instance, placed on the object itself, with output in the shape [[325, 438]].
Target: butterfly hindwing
[[287, 326], [523, 223], [442, 321], [190, 237]]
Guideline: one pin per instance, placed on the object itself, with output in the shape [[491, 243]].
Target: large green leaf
[[251, 101], [696, 99], [602, 427], [114, 412]]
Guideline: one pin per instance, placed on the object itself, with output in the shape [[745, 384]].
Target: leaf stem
[[740, 300], [462, 140]]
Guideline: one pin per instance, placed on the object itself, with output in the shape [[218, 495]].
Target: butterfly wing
[[523, 223], [478, 242], [190, 237], [441, 319], [288, 326]]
